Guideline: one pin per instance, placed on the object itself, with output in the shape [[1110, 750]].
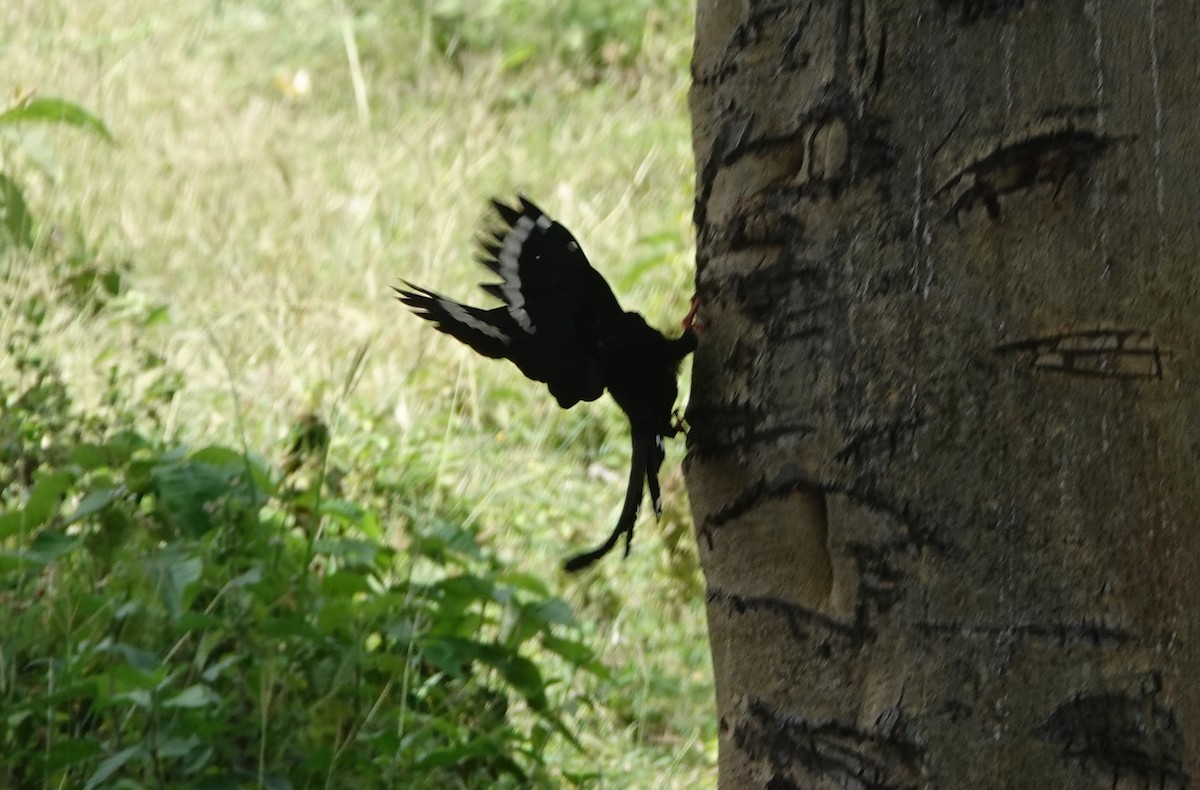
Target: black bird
[[560, 324]]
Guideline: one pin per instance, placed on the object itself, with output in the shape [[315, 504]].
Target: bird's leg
[[642, 447]]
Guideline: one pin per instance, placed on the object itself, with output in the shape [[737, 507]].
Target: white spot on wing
[[509, 258], [544, 222], [459, 314]]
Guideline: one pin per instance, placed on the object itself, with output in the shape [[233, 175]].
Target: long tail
[[653, 464], [646, 457]]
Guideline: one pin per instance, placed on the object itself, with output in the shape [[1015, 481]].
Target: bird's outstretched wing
[[560, 324], [489, 332], [556, 307]]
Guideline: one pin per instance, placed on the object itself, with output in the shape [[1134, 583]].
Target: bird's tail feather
[[647, 456], [653, 464]]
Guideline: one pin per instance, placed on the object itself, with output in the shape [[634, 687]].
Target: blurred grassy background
[[279, 164]]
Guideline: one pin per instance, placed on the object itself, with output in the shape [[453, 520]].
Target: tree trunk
[[944, 460]]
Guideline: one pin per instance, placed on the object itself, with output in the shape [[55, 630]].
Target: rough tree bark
[[944, 455]]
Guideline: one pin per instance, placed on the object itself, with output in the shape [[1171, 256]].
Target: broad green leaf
[[46, 496], [50, 110], [553, 610], [361, 553], [94, 502], [89, 456], [525, 581], [518, 56], [173, 573], [287, 626], [178, 747], [15, 220], [111, 766], [48, 546], [197, 696], [237, 464], [144, 661], [576, 653], [10, 522], [344, 583], [526, 678], [62, 754], [185, 490]]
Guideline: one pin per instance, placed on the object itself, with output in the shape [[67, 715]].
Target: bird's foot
[[678, 424], [690, 322]]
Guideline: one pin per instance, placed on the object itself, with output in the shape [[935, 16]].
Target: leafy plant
[[198, 616], [16, 221], [585, 38], [175, 617]]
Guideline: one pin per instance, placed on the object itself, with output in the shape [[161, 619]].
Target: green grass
[[269, 228]]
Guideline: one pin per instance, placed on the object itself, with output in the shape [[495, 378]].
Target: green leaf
[[48, 546], [456, 755], [46, 496], [289, 626], [111, 766], [356, 553], [89, 456], [344, 583], [553, 611], [526, 678], [518, 56], [237, 464], [184, 491], [50, 110], [144, 662], [525, 581], [178, 747], [342, 510], [15, 220], [576, 653], [174, 573], [139, 698], [10, 523], [197, 696], [94, 502], [62, 754]]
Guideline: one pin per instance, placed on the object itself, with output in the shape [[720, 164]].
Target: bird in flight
[[561, 325]]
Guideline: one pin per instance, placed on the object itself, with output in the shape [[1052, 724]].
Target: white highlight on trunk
[[1010, 37], [459, 314], [509, 258], [1158, 129], [1101, 190]]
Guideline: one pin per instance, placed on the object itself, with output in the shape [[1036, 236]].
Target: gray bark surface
[[944, 455]]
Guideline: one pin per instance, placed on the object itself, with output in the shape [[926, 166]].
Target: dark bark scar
[[1097, 353], [971, 11], [1046, 159], [844, 754], [1128, 738]]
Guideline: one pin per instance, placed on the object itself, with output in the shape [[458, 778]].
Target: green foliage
[[180, 616], [185, 616], [204, 282], [16, 223], [587, 38]]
